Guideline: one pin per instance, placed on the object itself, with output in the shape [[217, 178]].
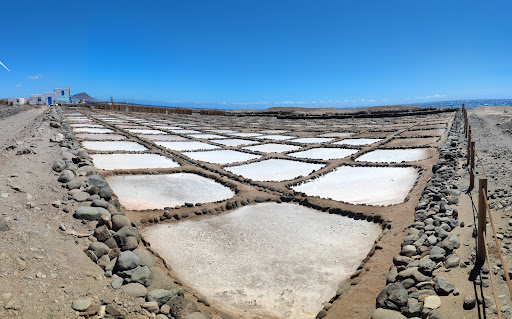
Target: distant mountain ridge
[[84, 96]]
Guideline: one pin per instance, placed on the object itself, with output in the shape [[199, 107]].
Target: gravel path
[[42, 268]]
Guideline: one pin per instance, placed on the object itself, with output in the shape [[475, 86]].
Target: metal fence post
[[482, 218], [469, 146], [472, 168]]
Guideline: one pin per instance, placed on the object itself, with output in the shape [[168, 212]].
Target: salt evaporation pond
[[336, 134], [276, 170], [86, 125], [396, 156], [132, 161], [186, 146], [222, 156], [274, 131], [165, 127], [324, 153], [142, 131], [267, 260], [185, 131], [92, 130], [141, 192], [276, 137], [222, 131], [358, 141], [234, 142], [114, 137], [363, 185], [310, 140], [113, 146], [246, 134], [206, 136], [168, 137], [272, 148]]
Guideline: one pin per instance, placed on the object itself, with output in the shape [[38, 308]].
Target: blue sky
[[297, 52]]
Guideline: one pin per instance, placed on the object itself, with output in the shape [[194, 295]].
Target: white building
[[47, 98], [58, 96], [17, 100], [62, 96]]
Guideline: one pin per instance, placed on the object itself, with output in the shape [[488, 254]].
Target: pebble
[[469, 302], [432, 302], [81, 304]]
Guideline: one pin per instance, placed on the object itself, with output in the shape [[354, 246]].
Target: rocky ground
[[44, 272], [6, 111], [436, 274]]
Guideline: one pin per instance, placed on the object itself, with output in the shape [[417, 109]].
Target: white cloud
[[18, 85], [35, 77]]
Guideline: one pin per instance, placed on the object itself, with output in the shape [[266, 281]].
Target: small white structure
[[18, 100]]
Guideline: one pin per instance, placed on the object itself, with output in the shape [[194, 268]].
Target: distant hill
[[84, 96]]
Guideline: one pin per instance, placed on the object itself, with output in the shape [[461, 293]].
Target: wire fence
[[484, 212]]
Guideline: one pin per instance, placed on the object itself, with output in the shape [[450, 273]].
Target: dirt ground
[[42, 268]]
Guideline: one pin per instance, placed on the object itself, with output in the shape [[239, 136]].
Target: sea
[[469, 104]]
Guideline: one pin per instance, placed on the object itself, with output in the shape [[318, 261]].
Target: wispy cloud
[[35, 77], [4, 66], [18, 85]]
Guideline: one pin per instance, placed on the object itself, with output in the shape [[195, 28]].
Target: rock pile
[[414, 283]]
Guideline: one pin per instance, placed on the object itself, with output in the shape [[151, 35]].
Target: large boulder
[[127, 260], [135, 290], [105, 193], [158, 279], [66, 176], [437, 254], [145, 257], [90, 213], [120, 221], [125, 232], [393, 296], [99, 248], [138, 274], [181, 307], [450, 243], [59, 165], [161, 296], [427, 266], [86, 170], [442, 286], [75, 183], [95, 180]]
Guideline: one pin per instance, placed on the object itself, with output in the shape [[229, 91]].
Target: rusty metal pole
[[472, 168], [482, 218], [469, 146]]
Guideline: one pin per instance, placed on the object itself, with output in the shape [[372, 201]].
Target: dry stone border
[[116, 243], [414, 281]]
